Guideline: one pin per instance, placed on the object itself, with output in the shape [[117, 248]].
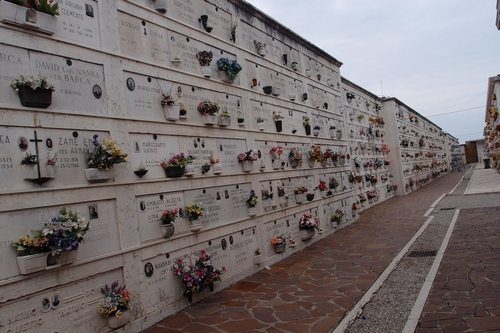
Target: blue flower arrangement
[[231, 67]]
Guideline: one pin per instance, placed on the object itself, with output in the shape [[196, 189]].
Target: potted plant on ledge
[[337, 217], [174, 167], [114, 307], [267, 198], [39, 15], [168, 216], [278, 121], [276, 156], [224, 118], [246, 159], [229, 69], [300, 194], [307, 126], [208, 112], [29, 166], [308, 226], [279, 243], [205, 58], [194, 211], [102, 158], [294, 157], [252, 203], [33, 91], [172, 111], [55, 245]]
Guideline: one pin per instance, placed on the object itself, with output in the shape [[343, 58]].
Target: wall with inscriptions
[[111, 62]]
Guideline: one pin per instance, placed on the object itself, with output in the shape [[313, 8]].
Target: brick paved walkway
[[311, 290], [465, 296]]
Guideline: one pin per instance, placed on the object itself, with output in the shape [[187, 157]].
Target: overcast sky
[[434, 56]]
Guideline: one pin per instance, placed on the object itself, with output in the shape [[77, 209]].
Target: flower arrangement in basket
[[295, 156], [322, 185], [305, 120], [194, 210], [166, 100], [169, 215], [191, 276], [207, 108], [177, 160], [231, 67], [334, 183], [281, 190], [204, 261], [251, 155], [50, 7], [371, 194], [362, 197], [308, 222], [266, 194], [357, 162], [351, 177], [300, 189], [252, 199], [276, 152], [115, 301], [277, 116], [104, 155], [27, 246], [315, 154], [355, 205], [278, 240], [32, 82], [30, 159], [337, 216], [204, 57], [64, 231], [194, 277], [328, 154]]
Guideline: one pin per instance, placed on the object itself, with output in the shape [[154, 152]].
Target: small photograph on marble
[[23, 143], [89, 10], [55, 300], [93, 214], [130, 84]]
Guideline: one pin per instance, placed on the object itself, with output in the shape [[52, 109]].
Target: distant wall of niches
[[113, 64]]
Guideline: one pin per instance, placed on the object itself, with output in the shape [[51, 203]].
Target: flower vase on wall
[[115, 322]]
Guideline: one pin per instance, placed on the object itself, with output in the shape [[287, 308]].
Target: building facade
[[216, 80]]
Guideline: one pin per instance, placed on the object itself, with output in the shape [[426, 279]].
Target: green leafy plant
[[45, 6]]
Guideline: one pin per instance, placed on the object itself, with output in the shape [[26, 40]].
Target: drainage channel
[[390, 306]]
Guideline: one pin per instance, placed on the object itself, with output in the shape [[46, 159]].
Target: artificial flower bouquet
[[104, 155], [308, 222]]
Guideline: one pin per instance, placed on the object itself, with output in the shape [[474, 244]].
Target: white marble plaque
[[69, 308], [228, 154], [274, 229], [143, 40], [14, 62], [67, 148], [242, 246], [202, 149], [219, 252], [151, 151], [79, 21], [150, 208], [79, 86], [160, 282], [102, 238]]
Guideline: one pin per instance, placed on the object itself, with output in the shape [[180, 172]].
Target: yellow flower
[[118, 314]]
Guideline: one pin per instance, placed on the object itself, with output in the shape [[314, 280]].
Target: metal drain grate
[[422, 254], [448, 208]]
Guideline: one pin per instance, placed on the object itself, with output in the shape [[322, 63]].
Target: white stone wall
[[110, 61]]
